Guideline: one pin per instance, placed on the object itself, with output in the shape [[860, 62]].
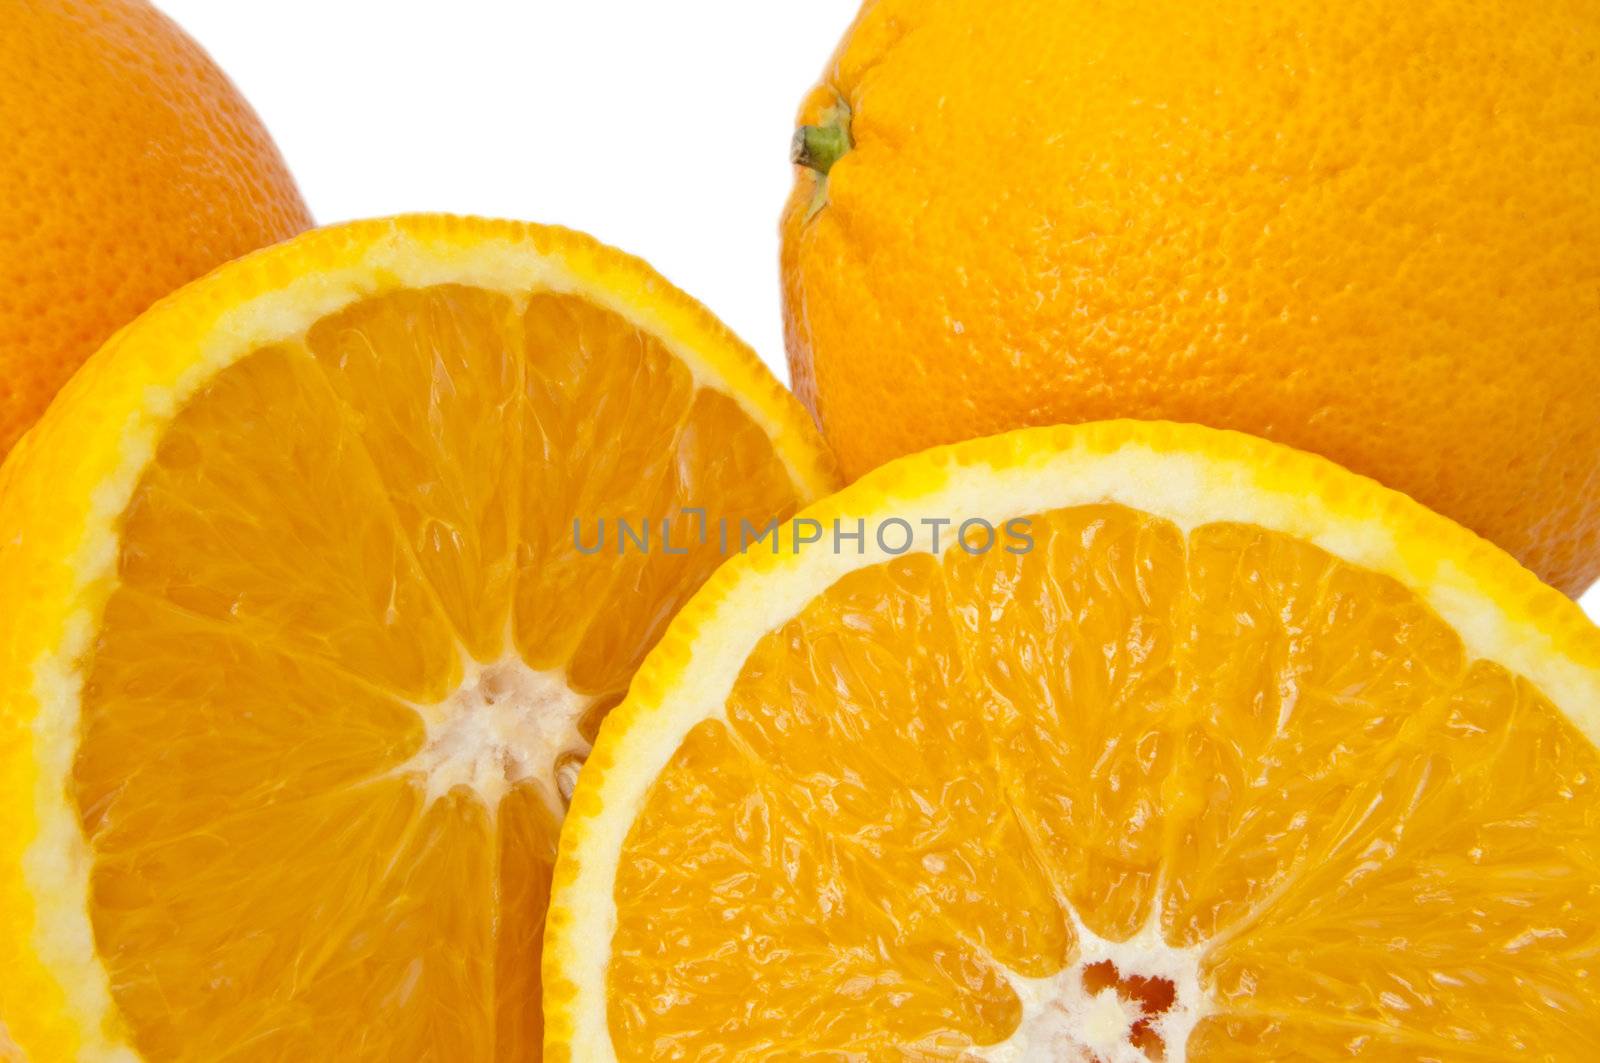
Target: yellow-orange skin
[[1365, 229], [129, 165]]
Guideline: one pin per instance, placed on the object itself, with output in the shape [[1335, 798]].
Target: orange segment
[[279, 731], [263, 509], [422, 956], [871, 684], [719, 456], [1228, 762], [167, 916], [527, 854], [662, 446], [1308, 676], [823, 962], [344, 658], [1486, 883], [590, 377], [429, 380], [1073, 652]]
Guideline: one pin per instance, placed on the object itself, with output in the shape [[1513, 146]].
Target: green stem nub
[[819, 146]]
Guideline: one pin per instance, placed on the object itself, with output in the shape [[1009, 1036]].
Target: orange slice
[[1209, 750], [301, 650]]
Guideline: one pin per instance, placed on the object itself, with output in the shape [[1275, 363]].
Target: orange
[[129, 164], [1365, 229], [1208, 749], [301, 652]]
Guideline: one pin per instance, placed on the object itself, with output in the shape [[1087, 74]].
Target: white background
[[660, 126]]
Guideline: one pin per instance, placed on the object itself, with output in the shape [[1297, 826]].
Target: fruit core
[[506, 725], [1132, 1001]]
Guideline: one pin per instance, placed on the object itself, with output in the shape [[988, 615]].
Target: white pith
[[1062, 1020], [506, 725], [702, 655]]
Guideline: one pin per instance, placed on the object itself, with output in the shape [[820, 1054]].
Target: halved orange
[[1178, 744], [301, 646]]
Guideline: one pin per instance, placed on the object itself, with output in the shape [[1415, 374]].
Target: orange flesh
[[329, 531], [1374, 842]]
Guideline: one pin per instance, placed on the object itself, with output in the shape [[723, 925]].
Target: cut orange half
[[301, 644], [1177, 745]]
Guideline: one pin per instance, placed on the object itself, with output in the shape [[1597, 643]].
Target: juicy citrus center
[[352, 657], [1116, 1002], [1231, 765], [506, 725]]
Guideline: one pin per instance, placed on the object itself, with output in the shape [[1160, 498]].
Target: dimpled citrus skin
[[1365, 229], [129, 165]]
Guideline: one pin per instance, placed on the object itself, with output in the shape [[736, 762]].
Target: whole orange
[[129, 165], [1368, 229]]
